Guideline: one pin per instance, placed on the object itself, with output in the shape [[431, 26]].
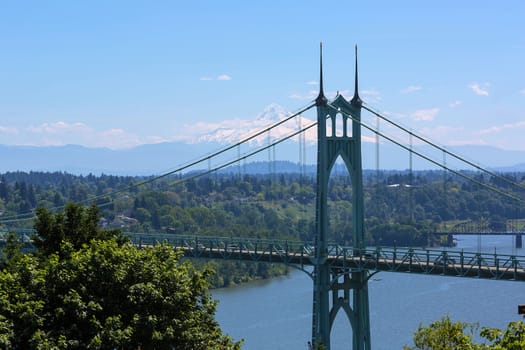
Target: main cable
[[30, 215], [466, 161], [494, 189]]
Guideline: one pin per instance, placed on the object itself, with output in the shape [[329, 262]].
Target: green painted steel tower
[[337, 288]]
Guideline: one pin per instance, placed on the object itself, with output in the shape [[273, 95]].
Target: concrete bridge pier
[[519, 240]]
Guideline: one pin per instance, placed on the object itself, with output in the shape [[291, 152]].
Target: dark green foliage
[[11, 251], [400, 207], [77, 225], [93, 291], [398, 234]]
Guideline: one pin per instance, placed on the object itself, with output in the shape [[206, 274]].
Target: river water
[[276, 314]]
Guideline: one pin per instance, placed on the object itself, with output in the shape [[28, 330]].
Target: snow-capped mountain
[[235, 130], [209, 137]]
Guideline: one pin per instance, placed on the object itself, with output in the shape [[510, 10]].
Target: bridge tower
[[338, 288]]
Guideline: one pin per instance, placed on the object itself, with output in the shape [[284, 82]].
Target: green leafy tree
[[77, 225], [105, 294], [445, 335], [11, 251], [512, 338]]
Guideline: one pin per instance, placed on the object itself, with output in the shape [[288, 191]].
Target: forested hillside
[[400, 207]]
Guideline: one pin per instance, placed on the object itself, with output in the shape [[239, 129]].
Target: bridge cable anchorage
[[31, 214], [458, 173], [442, 149]]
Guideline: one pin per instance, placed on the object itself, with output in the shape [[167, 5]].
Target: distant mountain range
[[160, 158]]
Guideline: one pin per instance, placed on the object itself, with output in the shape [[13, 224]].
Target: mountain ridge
[[159, 158], [150, 159]]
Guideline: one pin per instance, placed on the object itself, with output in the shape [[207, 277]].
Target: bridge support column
[[519, 240], [350, 295], [361, 328], [339, 135]]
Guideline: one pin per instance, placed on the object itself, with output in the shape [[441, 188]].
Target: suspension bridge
[[340, 274]]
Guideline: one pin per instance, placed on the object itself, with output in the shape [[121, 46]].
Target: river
[[276, 314]]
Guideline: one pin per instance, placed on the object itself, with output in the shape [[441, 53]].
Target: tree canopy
[[96, 292], [445, 334]]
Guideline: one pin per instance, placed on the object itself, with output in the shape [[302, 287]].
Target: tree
[[512, 338], [11, 251], [104, 294], [77, 225], [445, 335]]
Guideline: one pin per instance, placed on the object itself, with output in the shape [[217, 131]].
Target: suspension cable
[[30, 215], [492, 188], [442, 149], [244, 156]]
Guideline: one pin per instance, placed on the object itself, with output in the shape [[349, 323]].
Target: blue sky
[[123, 73]]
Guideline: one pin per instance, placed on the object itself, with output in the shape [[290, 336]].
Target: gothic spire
[[356, 99], [320, 100]]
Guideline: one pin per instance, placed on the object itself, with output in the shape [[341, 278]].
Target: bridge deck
[[424, 261], [448, 262]]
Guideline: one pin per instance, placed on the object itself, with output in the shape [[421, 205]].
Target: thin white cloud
[[425, 114], [310, 95], [468, 141], [224, 77], [63, 133], [59, 127], [522, 91], [500, 128], [443, 134], [441, 131], [455, 104], [8, 130], [312, 82], [410, 89], [370, 95], [480, 89]]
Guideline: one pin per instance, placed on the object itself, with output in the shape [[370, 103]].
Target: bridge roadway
[[448, 262]]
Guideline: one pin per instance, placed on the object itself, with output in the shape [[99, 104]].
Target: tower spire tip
[[321, 99], [356, 99]]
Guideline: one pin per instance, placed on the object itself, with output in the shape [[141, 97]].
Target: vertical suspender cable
[[377, 151], [239, 162], [300, 142], [410, 183], [269, 154], [444, 182], [274, 165]]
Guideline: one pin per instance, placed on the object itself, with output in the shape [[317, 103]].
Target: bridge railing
[[419, 260], [433, 261], [229, 247], [428, 261]]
